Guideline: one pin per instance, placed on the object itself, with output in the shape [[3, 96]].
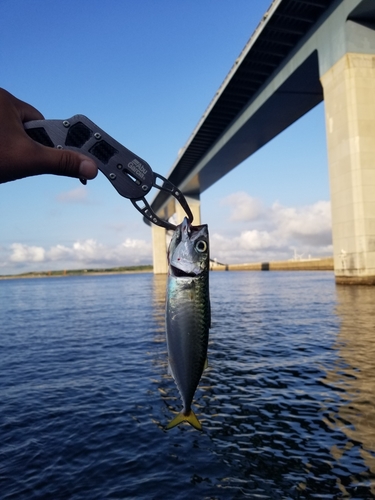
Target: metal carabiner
[[170, 188]]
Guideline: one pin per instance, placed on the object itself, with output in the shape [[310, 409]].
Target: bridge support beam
[[159, 234], [159, 249], [349, 90]]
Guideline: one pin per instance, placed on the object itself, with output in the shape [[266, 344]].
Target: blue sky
[[145, 71]]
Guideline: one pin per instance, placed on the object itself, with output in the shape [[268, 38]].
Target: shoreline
[[78, 272], [323, 264]]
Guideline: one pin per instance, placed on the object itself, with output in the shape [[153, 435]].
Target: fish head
[[188, 253]]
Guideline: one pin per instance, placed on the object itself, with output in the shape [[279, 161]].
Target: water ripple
[[286, 403]]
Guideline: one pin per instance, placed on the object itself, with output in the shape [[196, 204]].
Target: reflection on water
[[159, 287], [287, 401], [352, 375]]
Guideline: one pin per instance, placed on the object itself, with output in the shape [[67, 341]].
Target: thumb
[[68, 163]]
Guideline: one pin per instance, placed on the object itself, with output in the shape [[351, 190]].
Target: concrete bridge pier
[[159, 249], [349, 97], [160, 235]]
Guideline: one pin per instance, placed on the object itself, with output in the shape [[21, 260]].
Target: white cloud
[[24, 253], [311, 223], [254, 233], [244, 207], [257, 240], [81, 254], [272, 232], [77, 195]]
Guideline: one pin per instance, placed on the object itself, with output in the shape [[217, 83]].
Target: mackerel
[[188, 314]]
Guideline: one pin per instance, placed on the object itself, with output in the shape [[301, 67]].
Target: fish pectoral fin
[[190, 417]]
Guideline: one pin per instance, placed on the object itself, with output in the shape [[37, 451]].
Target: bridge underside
[[301, 92], [333, 57]]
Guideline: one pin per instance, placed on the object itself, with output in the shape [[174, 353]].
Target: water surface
[[287, 403]]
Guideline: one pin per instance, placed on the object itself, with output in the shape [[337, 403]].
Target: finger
[[28, 112], [68, 163]]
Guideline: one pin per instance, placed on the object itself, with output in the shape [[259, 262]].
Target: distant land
[[81, 272], [318, 264], [321, 264]]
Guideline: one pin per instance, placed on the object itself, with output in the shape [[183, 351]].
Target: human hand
[[20, 156]]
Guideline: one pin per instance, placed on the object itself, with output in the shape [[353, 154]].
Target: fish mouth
[[179, 273]]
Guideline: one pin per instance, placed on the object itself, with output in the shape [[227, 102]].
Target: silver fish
[[188, 314]]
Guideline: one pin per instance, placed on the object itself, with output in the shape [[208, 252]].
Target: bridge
[[303, 51]]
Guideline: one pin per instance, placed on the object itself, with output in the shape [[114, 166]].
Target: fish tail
[[189, 417]]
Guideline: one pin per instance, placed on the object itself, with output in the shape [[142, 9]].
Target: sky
[[145, 72]]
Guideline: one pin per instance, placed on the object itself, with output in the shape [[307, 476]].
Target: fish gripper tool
[[129, 174]]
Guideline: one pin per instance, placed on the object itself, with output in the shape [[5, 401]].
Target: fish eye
[[201, 246]]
